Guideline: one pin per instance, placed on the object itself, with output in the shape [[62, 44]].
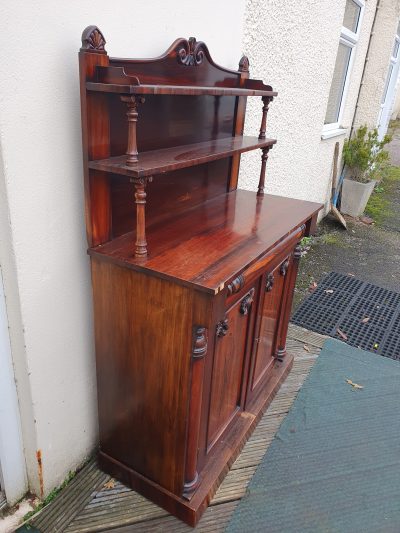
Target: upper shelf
[[113, 79], [188, 155], [175, 89]]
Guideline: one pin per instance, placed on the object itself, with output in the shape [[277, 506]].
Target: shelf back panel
[[184, 63], [171, 192]]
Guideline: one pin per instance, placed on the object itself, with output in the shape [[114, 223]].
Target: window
[[348, 39]]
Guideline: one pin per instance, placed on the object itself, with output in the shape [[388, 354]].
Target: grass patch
[[50, 497], [331, 238], [379, 204], [306, 242]]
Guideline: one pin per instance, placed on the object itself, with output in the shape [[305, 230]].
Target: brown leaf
[[313, 286], [328, 291], [306, 348], [110, 484], [366, 220], [365, 320], [354, 385], [343, 335]]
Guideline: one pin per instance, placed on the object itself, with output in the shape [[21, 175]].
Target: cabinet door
[[271, 297], [229, 363]]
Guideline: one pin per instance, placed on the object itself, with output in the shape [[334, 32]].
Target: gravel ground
[[370, 252]]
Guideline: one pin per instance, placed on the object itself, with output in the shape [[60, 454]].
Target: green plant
[[364, 156], [306, 241]]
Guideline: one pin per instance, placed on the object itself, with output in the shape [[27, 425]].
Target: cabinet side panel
[[143, 343]]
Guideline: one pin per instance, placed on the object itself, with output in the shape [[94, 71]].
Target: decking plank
[[124, 511]]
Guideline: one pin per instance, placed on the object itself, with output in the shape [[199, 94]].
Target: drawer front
[[231, 346], [238, 285]]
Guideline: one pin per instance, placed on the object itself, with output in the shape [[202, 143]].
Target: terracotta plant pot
[[355, 196]]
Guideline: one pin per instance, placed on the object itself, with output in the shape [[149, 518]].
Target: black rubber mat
[[356, 312]]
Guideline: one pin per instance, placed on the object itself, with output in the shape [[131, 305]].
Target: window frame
[[350, 39]]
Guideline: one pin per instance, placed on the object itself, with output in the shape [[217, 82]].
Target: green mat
[[334, 465]]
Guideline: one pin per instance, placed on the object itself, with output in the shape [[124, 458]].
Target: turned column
[[266, 101], [140, 201], [196, 392], [264, 159], [132, 115]]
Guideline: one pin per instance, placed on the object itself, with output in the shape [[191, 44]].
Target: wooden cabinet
[[192, 278]]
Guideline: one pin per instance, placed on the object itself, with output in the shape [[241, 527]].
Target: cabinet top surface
[[208, 244]]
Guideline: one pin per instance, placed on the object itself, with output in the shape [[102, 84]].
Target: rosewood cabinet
[[192, 278]]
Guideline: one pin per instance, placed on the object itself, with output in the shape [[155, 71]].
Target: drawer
[[240, 283]]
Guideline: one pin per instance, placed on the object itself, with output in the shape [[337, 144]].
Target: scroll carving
[[246, 303], [222, 328], [93, 40], [236, 285], [192, 53], [284, 267], [269, 283], [200, 343]]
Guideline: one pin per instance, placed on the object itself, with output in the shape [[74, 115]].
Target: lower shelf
[[215, 471]]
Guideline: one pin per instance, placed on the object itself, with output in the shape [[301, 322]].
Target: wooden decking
[[86, 505]]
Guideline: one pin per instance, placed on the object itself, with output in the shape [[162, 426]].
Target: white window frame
[[349, 39]]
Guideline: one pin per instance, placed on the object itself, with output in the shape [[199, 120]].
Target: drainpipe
[[364, 67]]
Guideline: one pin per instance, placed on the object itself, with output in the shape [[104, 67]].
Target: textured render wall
[[45, 267], [292, 45], [396, 103], [378, 63]]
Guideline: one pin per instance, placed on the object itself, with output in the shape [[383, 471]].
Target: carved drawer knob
[[222, 328], [269, 283], [236, 285], [245, 304]]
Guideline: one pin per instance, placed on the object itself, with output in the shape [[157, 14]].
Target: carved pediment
[[191, 52]]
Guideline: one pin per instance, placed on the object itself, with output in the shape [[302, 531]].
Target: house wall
[[42, 245], [376, 70], [292, 45], [396, 104]]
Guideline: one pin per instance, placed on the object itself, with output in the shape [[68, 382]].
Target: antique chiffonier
[[192, 278]]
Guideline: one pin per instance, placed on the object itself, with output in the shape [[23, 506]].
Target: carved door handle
[[222, 328], [269, 283], [245, 304], [284, 267]]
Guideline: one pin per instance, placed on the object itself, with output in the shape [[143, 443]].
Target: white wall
[[43, 248], [292, 45], [12, 462], [377, 67]]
